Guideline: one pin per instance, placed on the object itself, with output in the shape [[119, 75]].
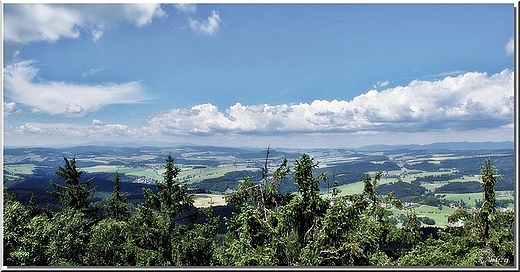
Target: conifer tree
[[309, 206], [488, 175], [116, 206], [34, 209], [173, 198], [156, 226], [74, 194]]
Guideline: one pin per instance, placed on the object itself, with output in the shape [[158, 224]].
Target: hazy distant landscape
[[433, 179]]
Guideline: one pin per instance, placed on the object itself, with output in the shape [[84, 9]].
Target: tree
[[57, 241], [15, 219], [116, 205], [302, 212], [163, 219], [111, 244], [252, 236], [74, 194], [34, 209], [488, 175], [413, 226], [173, 198]]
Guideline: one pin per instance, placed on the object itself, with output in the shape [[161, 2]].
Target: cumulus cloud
[[510, 47], [10, 107], [99, 129], [24, 23], [208, 26], [22, 85], [96, 122], [469, 101], [468, 106]]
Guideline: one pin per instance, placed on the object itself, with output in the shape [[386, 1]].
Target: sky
[[295, 75]]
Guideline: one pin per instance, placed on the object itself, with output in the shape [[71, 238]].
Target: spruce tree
[[74, 194], [488, 175], [116, 206], [34, 209]]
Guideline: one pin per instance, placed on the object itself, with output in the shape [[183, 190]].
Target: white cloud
[[510, 46], [468, 107], [445, 74], [142, 14], [97, 129], [72, 108], [381, 84], [10, 107], [92, 71], [96, 122], [466, 102], [186, 8], [22, 85], [208, 26], [36, 111], [96, 34], [24, 23]]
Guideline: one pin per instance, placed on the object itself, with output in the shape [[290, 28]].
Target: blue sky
[[285, 75]]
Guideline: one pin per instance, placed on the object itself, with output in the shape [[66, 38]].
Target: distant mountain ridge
[[465, 145]]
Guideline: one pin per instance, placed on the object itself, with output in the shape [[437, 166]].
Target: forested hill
[[443, 145]]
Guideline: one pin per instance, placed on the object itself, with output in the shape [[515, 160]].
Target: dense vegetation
[[268, 227]]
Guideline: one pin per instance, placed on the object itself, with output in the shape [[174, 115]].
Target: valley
[[433, 181]]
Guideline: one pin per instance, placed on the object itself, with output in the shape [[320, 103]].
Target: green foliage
[[247, 235], [173, 199], [268, 229], [15, 219], [116, 205], [74, 194], [163, 228], [34, 209], [56, 241], [111, 244], [303, 211], [198, 244], [488, 174], [412, 226]]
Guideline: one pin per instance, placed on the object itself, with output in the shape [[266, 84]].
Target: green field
[[23, 169], [469, 198], [138, 172], [188, 174], [199, 174], [12, 172], [440, 216], [357, 187]]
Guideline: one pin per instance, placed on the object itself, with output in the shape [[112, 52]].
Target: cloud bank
[[470, 106], [466, 102], [22, 85], [97, 129]]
